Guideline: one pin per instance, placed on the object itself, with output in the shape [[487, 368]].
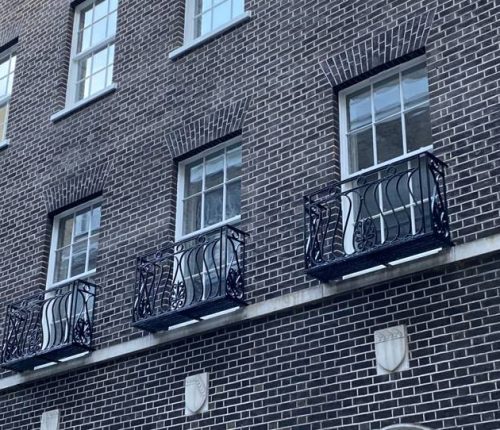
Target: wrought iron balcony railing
[[190, 280], [49, 326], [385, 215]]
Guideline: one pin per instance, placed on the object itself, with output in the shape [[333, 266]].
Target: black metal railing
[[384, 215], [49, 326], [190, 279]]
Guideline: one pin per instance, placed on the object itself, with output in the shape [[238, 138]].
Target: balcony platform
[[42, 357], [382, 255], [192, 313]]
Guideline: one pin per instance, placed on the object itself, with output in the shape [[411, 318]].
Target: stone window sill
[[193, 44], [82, 103]]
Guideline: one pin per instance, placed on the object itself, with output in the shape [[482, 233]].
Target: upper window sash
[[95, 23], [203, 17], [230, 147], [369, 127]]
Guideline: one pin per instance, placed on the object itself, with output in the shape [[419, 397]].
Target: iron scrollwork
[[393, 206], [49, 320], [191, 273]]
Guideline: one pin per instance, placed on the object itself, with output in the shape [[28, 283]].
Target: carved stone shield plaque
[[391, 349], [196, 394], [50, 420]]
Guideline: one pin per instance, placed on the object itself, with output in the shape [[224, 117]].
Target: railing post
[[305, 232]]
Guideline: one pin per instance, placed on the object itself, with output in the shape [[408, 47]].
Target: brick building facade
[[196, 129]]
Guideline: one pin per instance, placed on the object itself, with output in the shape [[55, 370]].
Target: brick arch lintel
[[218, 125], [79, 187], [384, 48], [9, 35]]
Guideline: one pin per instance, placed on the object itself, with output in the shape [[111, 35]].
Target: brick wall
[[277, 69]]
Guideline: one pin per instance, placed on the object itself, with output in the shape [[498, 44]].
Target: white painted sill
[[189, 46], [4, 144], [82, 103]]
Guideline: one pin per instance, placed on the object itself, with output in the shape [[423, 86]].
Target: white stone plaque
[[50, 420], [391, 350], [196, 394]]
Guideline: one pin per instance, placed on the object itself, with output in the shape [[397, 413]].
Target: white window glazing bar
[[97, 47]]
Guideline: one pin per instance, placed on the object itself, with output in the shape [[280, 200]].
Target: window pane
[[422, 184], [202, 6], [10, 83], [113, 5], [99, 31], [238, 7], [101, 9], [360, 150], [418, 128], [366, 197], [389, 139], [100, 60], [111, 53], [4, 69], [192, 214], [93, 245], [213, 207], [203, 24], [86, 16], [3, 121], [61, 264], [83, 89], [193, 181], [214, 170], [112, 24], [395, 187], [222, 14], [3, 86], [415, 86], [386, 98], [98, 82], [95, 221], [234, 163], [109, 76], [422, 218], [359, 109], [78, 258], [84, 68], [397, 225], [84, 39], [65, 232], [82, 224], [233, 199]]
